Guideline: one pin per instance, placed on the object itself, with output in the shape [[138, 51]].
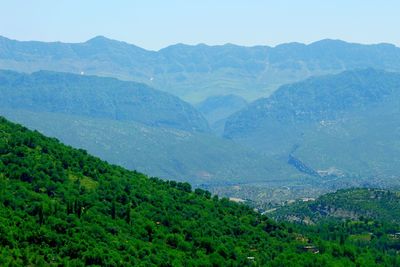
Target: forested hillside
[[61, 206], [365, 217], [346, 204]]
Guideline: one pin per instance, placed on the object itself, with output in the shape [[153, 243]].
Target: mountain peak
[[3, 38], [330, 41], [100, 39]]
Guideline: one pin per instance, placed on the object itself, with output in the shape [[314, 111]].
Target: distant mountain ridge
[[197, 72], [97, 97], [343, 125], [320, 98]]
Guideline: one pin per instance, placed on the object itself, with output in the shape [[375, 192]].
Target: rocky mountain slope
[[343, 125]]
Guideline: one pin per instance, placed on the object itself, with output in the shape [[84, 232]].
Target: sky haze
[[155, 24]]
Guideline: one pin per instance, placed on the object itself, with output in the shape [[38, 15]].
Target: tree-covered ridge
[[60, 206], [366, 218], [346, 204]]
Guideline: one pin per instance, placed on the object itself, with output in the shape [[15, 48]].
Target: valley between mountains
[[261, 123], [112, 155]]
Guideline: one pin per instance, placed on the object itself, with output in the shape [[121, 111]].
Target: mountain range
[[195, 73], [327, 117]]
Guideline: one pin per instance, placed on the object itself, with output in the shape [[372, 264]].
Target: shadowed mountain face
[[103, 98], [197, 72], [338, 125], [131, 125]]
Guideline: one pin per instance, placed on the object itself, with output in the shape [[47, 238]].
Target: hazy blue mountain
[[344, 125], [195, 73], [217, 108], [97, 97], [132, 125]]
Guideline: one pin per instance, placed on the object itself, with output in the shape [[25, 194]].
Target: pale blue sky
[[154, 24]]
